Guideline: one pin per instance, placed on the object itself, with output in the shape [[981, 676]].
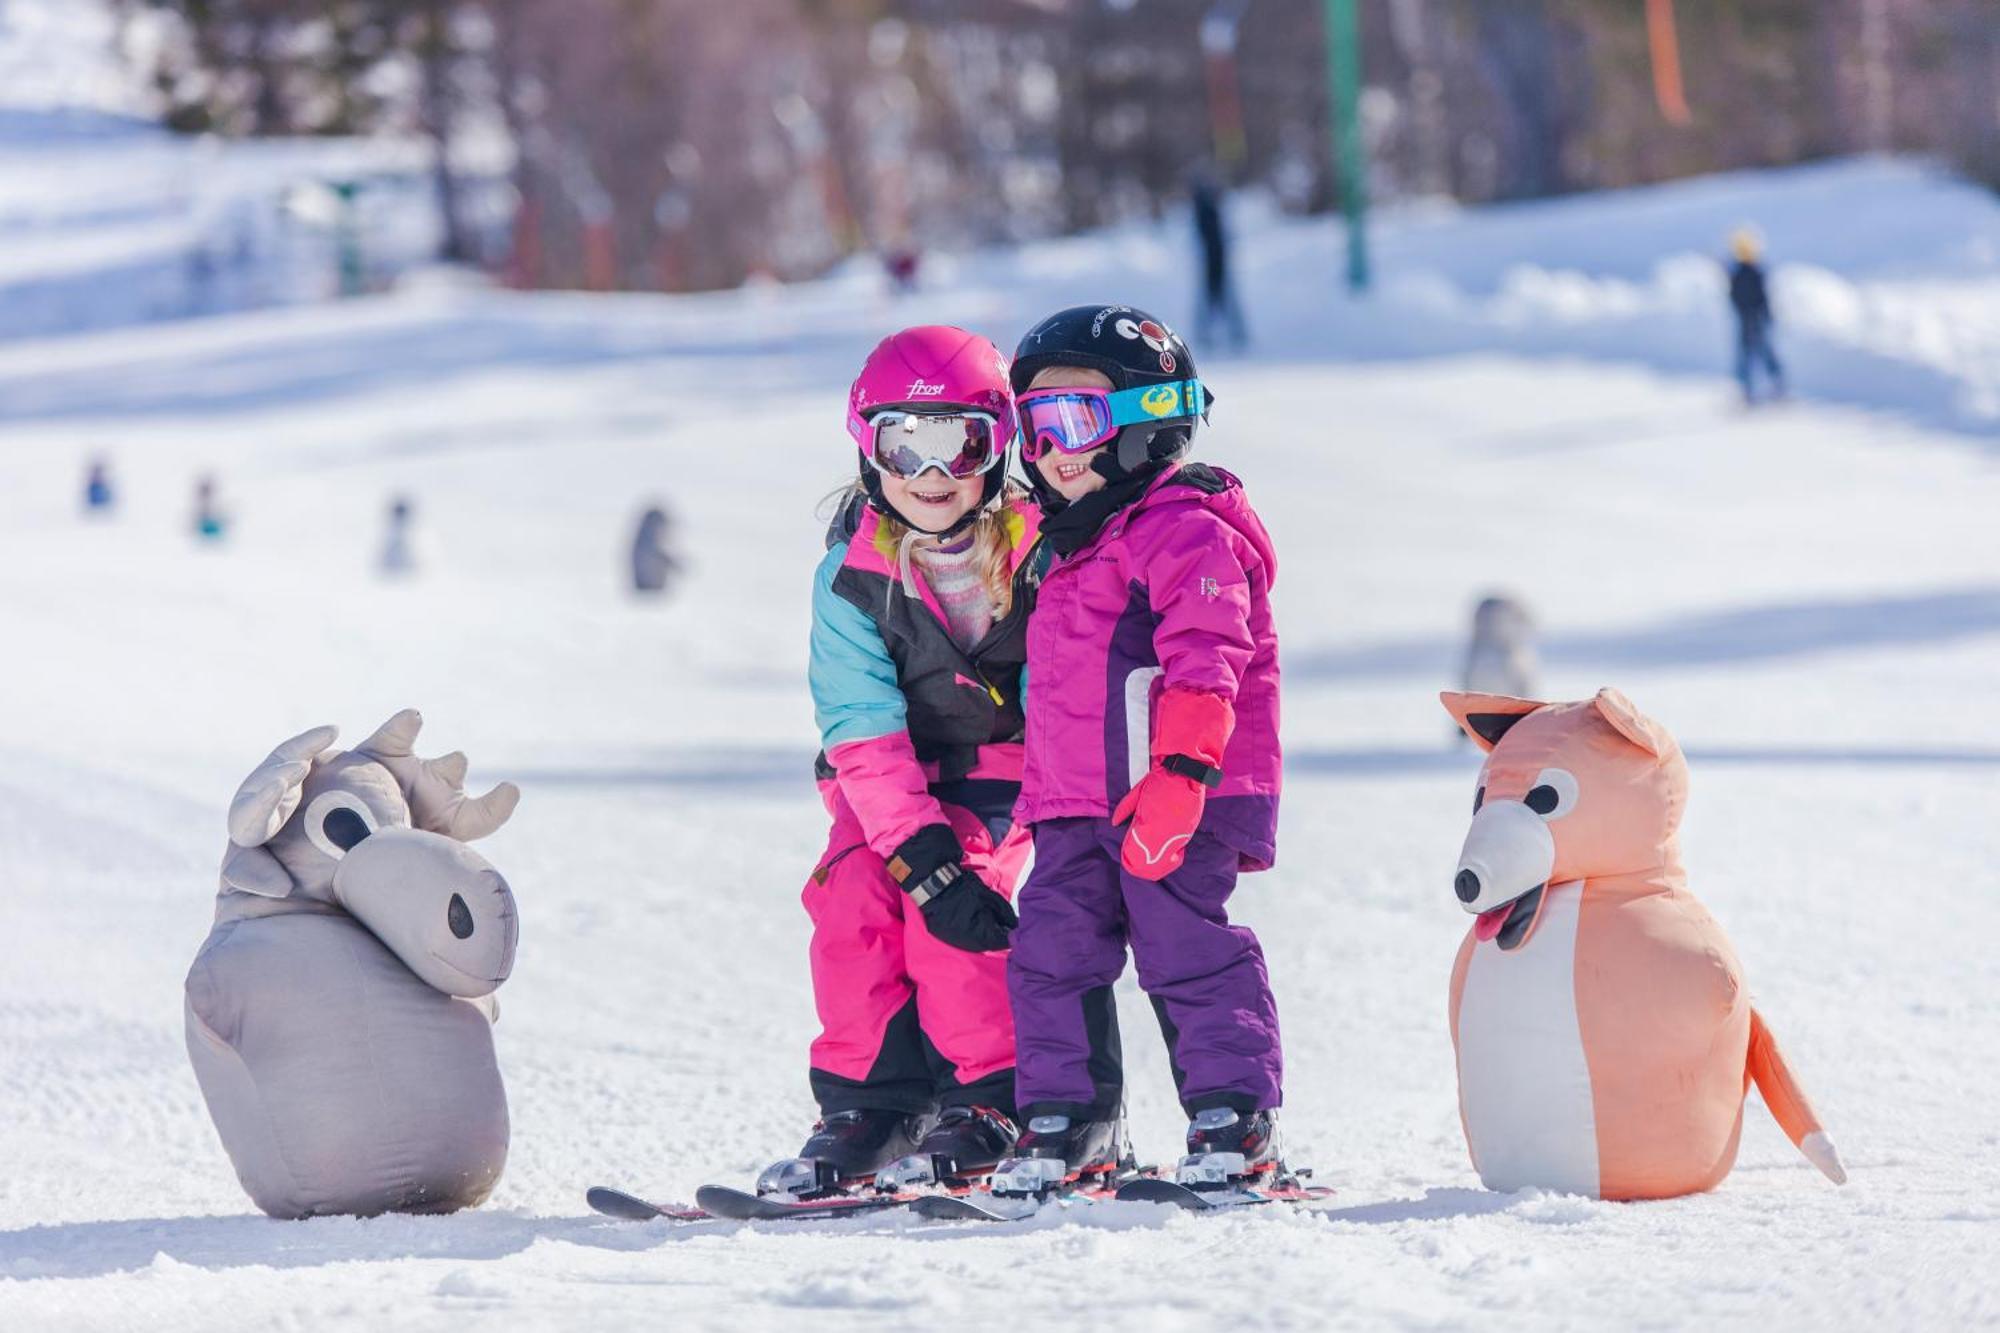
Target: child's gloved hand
[[967, 915], [1165, 806], [957, 905]]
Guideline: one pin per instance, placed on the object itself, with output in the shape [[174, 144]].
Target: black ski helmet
[[1131, 349]]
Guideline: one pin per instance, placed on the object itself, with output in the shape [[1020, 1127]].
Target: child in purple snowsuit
[[1152, 767]]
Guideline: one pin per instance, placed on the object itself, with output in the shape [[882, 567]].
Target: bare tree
[[688, 144]]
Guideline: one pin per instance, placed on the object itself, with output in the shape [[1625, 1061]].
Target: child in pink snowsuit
[[918, 640], [1152, 769]]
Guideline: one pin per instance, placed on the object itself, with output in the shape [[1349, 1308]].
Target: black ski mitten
[[957, 905]]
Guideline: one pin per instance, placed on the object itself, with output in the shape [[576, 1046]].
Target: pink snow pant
[[906, 1022]]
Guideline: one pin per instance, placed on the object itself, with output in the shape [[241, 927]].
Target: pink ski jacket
[[1174, 591]]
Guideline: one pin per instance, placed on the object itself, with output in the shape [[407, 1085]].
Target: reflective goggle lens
[[959, 444], [1071, 420]]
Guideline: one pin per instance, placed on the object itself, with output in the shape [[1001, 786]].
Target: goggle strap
[[1158, 402]]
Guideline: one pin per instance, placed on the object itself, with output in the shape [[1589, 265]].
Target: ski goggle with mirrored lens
[[959, 443], [1074, 420]]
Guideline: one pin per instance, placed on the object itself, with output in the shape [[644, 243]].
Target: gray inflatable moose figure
[[339, 1013]]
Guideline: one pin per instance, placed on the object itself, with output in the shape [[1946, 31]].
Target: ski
[[1158, 1190], [725, 1204], [742, 1206], [983, 1205], [632, 1208], [977, 1207]]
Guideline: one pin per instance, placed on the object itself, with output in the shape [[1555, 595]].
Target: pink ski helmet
[[932, 367]]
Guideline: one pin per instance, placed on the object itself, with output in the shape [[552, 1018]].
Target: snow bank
[[1885, 275]]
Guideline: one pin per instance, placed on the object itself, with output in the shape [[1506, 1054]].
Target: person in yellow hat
[[1752, 303]]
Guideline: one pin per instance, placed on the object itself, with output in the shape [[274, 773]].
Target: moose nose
[[1466, 886]]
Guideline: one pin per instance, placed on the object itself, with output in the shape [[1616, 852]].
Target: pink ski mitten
[[1165, 806]]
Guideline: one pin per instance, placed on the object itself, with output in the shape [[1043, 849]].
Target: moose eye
[[344, 828], [459, 917], [1553, 795], [337, 821]]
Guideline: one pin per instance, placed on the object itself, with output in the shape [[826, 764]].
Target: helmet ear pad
[[1135, 447], [1146, 442]]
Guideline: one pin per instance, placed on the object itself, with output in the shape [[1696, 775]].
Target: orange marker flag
[[1667, 88]]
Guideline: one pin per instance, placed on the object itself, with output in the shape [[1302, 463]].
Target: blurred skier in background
[[1500, 658], [1752, 304], [901, 261], [211, 522], [653, 562], [98, 495], [399, 546], [1218, 293]]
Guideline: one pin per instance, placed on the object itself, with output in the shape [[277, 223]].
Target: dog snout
[[1466, 886]]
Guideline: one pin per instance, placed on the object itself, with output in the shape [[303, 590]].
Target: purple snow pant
[[1205, 977]]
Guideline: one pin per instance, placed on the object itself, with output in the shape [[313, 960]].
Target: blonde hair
[[993, 533], [1069, 377]]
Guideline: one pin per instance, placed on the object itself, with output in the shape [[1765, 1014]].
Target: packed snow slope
[[1807, 596]]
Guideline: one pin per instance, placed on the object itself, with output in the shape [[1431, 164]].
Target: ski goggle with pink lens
[[1077, 419], [960, 443]]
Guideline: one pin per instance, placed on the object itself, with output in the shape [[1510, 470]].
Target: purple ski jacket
[[1173, 592]]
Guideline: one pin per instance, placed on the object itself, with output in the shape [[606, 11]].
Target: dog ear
[[1486, 717], [1630, 723], [255, 870]]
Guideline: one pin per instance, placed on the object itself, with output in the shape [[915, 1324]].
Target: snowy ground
[[1808, 596]]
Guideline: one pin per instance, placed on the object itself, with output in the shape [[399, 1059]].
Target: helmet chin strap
[[964, 521]]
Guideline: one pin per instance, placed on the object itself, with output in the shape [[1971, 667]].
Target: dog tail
[[1787, 1102]]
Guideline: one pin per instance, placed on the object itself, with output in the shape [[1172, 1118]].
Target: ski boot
[[963, 1145], [1226, 1148], [1058, 1151], [846, 1149]]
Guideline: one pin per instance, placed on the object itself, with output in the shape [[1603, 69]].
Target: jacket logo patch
[[1211, 589]]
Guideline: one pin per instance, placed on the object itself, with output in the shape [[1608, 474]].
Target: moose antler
[[435, 788], [269, 795]]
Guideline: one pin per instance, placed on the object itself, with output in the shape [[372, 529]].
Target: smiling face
[[933, 501], [1071, 474]]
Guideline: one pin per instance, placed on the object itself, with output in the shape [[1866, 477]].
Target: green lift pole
[[1343, 62], [347, 230]]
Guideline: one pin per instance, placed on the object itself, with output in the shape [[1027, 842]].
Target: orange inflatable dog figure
[[1605, 1039]]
